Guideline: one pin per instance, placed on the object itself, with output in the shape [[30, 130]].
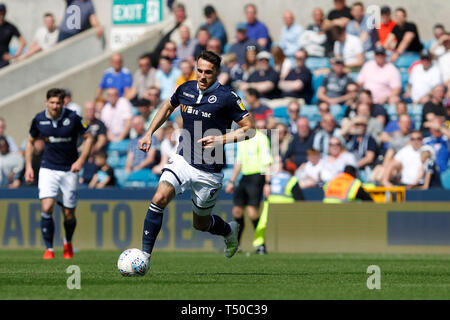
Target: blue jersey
[[205, 113], [60, 138]]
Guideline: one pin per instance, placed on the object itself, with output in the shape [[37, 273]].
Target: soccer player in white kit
[[58, 180], [208, 110]]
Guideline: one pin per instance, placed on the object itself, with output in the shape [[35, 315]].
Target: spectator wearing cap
[[185, 50], [7, 32], [257, 30], [214, 25], [201, 41], [359, 26], [116, 115], [298, 82], [242, 43], [264, 79], [423, 78], [290, 34], [348, 47], [144, 77], [71, 105], [44, 38], [382, 78], [404, 36], [259, 110], [314, 39], [116, 76], [333, 88], [166, 76], [386, 25], [231, 73], [87, 19]]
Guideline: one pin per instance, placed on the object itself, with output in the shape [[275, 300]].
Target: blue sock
[[218, 226], [69, 227], [152, 226], [48, 229]]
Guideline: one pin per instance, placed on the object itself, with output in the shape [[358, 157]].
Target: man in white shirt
[[348, 47], [424, 77], [407, 161], [44, 38], [290, 34]]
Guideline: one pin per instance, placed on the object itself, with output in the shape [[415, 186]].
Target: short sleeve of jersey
[[236, 107], [174, 101], [82, 126], [34, 131]]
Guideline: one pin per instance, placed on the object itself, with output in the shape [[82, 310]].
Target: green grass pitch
[[196, 275]]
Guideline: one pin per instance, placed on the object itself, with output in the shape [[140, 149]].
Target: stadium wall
[[112, 219]]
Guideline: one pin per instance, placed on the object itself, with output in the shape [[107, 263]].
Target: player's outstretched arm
[[86, 149], [161, 116], [29, 173], [245, 132]]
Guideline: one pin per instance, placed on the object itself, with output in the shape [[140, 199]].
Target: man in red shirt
[[386, 25]]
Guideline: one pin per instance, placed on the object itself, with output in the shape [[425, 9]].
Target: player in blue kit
[[60, 129], [208, 110]]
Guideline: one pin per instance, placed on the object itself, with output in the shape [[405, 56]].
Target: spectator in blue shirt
[[242, 43], [117, 76], [439, 143], [256, 29], [359, 27], [290, 34], [166, 77], [214, 25]]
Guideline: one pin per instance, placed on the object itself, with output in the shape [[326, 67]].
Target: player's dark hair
[[48, 14], [336, 31], [439, 26], [358, 4], [210, 57], [351, 170], [5, 141], [56, 92]]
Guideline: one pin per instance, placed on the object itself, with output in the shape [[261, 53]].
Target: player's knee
[[160, 199], [69, 216]]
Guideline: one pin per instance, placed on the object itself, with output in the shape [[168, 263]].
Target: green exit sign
[[136, 11]]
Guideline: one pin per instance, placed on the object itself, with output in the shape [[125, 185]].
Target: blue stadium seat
[[338, 112], [427, 44], [314, 63], [141, 178], [416, 114], [311, 112], [226, 48], [404, 76], [406, 60], [317, 82], [445, 179], [121, 146]]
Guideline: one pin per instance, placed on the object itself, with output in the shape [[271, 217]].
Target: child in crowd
[[105, 174]]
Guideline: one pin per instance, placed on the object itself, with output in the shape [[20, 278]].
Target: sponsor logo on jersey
[[52, 139], [44, 123], [212, 99], [188, 95]]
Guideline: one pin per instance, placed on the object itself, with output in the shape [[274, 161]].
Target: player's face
[[206, 74], [54, 107]]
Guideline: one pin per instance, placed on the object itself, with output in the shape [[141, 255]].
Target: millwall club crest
[[66, 122], [212, 99]]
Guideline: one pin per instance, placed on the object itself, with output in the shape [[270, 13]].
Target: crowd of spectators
[[366, 108]]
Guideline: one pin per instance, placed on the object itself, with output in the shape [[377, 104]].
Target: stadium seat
[[427, 44], [317, 82], [311, 112], [121, 146], [141, 178], [314, 63], [338, 112], [404, 76], [445, 179], [416, 114], [406, 60]]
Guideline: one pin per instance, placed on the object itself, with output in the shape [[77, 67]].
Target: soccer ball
[[132, 262]]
